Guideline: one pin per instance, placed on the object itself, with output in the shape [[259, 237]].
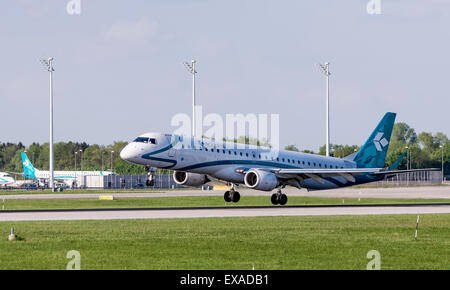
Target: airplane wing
[[319, 174], [347, 173]]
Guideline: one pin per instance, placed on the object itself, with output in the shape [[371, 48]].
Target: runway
[[220, 212], [422, 192]]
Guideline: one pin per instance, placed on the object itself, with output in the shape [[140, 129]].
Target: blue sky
[[119, 67]]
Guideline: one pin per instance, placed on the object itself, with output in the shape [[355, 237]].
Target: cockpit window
[[145, 140], [141, 139]]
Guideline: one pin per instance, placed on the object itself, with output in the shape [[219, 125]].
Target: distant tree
[[339, 151], [291, 148]]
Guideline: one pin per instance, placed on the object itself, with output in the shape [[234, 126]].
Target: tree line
[[425, 151]]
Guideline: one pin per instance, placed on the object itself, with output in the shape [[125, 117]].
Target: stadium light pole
[[191, 68], [112, 160], [407, 163], [48, 64], [81, 160], [76, 152], [326, 70], [442, 161], [103, 152]]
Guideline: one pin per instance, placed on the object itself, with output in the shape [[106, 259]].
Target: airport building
[[115, 181]]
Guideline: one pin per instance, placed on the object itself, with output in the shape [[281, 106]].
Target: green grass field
[[333, 242], [188, 201]]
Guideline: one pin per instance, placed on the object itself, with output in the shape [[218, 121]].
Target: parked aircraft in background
[[8, 181], [70, 178]]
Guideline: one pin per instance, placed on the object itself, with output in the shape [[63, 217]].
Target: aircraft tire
[[274, 199], [227, 196], [236, 197], [283, 199]]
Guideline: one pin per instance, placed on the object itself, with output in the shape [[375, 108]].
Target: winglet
[[397, 162]]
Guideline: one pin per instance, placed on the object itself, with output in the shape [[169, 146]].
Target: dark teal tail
[[373, 152]]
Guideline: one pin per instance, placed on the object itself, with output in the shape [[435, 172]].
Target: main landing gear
[[232, 195], [279, 198]]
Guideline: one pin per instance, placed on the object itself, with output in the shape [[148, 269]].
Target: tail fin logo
[[380, 143], [26, 163]]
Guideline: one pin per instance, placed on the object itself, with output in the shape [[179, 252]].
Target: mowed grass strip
[[189, 201], [326, 242]]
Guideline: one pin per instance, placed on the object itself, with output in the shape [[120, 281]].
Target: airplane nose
[[126, 153]]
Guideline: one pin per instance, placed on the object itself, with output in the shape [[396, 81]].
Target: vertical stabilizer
[[373, 152]]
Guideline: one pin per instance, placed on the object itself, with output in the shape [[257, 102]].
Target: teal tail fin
[[373, 152], [28, 168]]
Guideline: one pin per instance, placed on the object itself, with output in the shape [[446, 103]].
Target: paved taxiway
[[424, 192], [218, 212], [435, 192]]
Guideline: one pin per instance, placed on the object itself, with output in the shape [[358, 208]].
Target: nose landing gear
[[151, 176]]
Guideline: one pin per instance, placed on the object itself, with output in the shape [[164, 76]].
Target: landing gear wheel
[[227, 196], [236, 196], [274, 199], [150, 182], [282, 199]]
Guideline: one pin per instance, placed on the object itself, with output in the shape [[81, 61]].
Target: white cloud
[[140, 30]]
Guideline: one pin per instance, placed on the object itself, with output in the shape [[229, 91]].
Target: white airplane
[[197, 162], [6, 179], [70, 178]]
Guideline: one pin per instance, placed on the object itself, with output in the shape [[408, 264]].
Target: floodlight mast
[[326, 70], [191, 68], [48, 64]]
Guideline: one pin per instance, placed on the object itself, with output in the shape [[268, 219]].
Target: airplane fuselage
[[228, 161]]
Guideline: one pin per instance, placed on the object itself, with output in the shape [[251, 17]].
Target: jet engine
[[261, 180], [189, 179]]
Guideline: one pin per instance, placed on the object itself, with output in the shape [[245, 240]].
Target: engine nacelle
[[189, 179], [261, 180]]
